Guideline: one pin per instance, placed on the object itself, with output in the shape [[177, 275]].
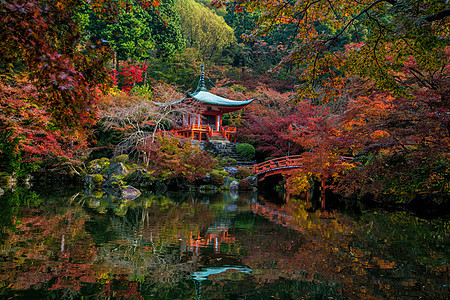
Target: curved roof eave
[[211, 99]]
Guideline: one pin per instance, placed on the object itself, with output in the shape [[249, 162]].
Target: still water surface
[[213, 246]]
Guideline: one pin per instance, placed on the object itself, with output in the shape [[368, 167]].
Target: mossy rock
[[137, 177], [121, 158], [243, 172], [98, 166], [226, 162], [216, 178], [97, 179], [224, 173], [97, 194]]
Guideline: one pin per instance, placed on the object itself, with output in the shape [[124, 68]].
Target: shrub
[[246, 150], [216, 178], [243, 172], [245, 184]]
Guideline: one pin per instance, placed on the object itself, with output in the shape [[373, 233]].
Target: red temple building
[[207, 125]]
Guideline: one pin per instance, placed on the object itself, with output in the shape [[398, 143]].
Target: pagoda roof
[[202, 95], [211, 99]]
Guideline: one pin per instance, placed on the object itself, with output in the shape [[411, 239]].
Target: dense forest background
[[366, 80]]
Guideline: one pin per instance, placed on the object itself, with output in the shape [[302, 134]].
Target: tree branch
[[356, 17], [439, 16]]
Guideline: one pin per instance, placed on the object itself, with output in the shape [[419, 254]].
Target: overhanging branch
[[439, 16]]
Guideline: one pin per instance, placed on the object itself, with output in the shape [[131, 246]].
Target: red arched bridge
[[282, 165], [277, 166]]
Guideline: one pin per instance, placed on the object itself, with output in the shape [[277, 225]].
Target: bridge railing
[[278, 163]]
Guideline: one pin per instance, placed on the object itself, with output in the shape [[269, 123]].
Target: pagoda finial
[[201, 84]]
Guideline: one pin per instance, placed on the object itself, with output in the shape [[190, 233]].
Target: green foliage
[[9, 158], [203, 29], [243, 172], [237, 88], [404, 179], [246, 150], [180, 70], [142, 91], [216, 178], [136, 31]]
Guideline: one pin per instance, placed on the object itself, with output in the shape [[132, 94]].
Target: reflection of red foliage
[[37, 265]]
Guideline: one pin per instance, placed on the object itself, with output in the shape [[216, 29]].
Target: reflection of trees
[[159, 240], [50, 252], [363, 254]]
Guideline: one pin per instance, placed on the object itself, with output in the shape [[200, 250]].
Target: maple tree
[[50, 78], [28, 132], [131, 74], [382, 98], [267, 122], [392, 25]]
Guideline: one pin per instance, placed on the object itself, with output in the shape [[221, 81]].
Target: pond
[[213, 246]]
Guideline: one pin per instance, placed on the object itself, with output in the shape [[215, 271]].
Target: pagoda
[[207, 124]]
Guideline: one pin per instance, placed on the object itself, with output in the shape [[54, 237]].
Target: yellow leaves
[[379, 134], [104, 278], [298, 183]]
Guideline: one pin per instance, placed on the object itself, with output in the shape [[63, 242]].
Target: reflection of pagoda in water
[[172, 240], [211, 239]]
